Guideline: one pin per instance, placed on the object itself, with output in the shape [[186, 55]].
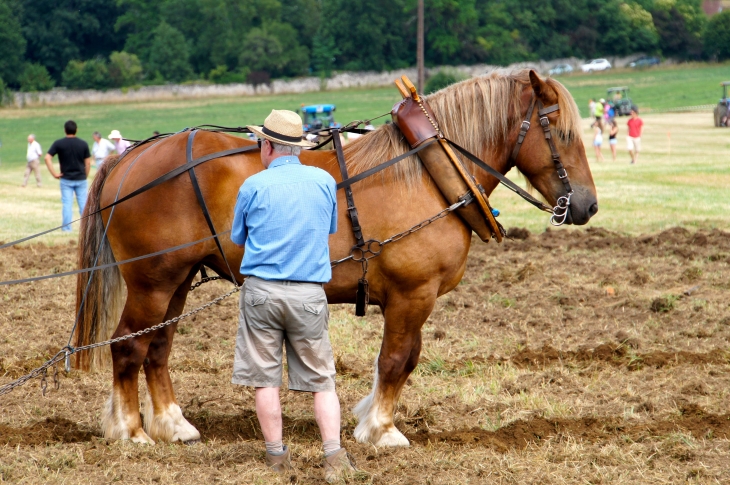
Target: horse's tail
[[99, 307]]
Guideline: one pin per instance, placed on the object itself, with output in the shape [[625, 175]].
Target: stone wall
[[345, 80]]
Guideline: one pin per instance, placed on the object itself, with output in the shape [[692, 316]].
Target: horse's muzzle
[[583, 206]]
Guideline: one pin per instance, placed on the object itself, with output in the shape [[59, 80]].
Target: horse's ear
[[542, 90]]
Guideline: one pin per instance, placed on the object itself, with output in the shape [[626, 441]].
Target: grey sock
[[275, 448], [331, 447]]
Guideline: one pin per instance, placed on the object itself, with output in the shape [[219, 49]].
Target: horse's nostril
[[593, 209]]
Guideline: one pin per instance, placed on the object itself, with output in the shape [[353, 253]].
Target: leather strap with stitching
[[201, 200], [351, 209]]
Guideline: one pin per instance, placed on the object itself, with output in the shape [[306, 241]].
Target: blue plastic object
[[495, 212]]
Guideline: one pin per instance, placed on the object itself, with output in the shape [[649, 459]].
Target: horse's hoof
[[192, 442], [392, 438], [141, 437]]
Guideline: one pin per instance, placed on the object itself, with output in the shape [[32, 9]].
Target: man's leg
[[81, 190], [36, 166], [327, 414], [268, 410], [26, 174], [67, 200]]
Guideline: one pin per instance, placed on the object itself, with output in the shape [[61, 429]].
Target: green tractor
[[721, 110], [620, 100]]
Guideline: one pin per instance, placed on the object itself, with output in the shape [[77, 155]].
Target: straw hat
[[115, 134], [284, 127]]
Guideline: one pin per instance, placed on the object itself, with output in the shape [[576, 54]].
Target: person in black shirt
[[75, 162]]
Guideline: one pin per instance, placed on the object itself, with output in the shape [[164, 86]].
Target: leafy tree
[[261, 51], [60, 30], [221, 75], [716, 38], [91, 74], [169, 54], [324, 52], [137, 25], [12, 44], [442, 79], [679, 24], [125, 69], [35, 77], [373, 35]]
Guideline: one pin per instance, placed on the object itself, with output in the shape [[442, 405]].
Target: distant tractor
[[619, 100], [318, 116], [721, 110]]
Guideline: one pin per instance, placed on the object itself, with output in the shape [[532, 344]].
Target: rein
[[560, 211]]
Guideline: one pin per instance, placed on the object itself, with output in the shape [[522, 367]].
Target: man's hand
[[49, 164]]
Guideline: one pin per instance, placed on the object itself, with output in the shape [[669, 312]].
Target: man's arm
[[238, 227], [49, 164], [87, 165], [333, 220]]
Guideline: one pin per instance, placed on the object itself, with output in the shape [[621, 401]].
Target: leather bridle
[[560, 211]]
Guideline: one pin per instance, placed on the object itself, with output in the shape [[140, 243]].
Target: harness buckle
[[525, 126], [544, 121], [564, 173]]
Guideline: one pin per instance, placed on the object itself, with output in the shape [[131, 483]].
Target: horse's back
[[169, 214]]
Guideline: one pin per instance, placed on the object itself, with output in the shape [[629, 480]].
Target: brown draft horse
[[482, 114]]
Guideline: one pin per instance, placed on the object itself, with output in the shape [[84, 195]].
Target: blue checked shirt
[[284, 216]]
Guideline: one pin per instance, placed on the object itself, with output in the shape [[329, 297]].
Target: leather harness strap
[[545, 123], [201, 200], [351, 209], [523, 131]]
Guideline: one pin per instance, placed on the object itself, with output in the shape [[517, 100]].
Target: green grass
[[655, 88], [687, 187]]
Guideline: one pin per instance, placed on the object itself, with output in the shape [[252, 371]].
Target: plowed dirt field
[[572, 356]]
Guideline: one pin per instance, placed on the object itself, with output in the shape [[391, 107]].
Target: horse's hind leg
[[404, 317], [163, 418], [121, 419]]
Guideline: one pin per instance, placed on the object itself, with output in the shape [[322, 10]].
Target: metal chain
[[67, 352], [425, 223], [401, 235], [205, 280]]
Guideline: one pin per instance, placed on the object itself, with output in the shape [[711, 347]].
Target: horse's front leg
[[405, 314], [163, 418], [121, 419]]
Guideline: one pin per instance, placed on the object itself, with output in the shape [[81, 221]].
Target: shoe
[[339, 466], [280, 463]]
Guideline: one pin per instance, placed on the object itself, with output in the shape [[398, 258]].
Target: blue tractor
[[318, 116]]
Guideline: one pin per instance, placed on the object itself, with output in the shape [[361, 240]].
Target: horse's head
[[535, 160]]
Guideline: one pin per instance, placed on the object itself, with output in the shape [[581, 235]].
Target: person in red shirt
[[633, 141]]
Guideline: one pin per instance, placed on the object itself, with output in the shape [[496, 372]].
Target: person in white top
[[33, 158], [101, 149], [120, 143]]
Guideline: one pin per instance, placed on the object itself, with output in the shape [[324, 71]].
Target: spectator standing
[[101, 149], [591, 108], [598, 111], [120, 143], [32, 156], [598, 139], [633, 141], [283, 217], [75, 162], [612, 140]]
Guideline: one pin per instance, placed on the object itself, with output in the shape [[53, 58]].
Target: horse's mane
[[479, 110]]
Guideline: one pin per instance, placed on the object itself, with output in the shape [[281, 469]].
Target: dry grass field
[[565, 357]]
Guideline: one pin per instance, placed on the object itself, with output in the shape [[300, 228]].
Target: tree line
[[103, 44]]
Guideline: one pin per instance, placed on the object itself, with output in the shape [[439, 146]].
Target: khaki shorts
[[633, 144], [273, 313]]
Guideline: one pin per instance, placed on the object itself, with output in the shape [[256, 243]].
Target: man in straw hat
[[283, 218]]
